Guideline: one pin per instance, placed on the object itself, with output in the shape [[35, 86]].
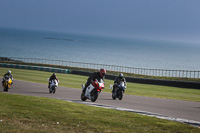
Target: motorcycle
[[92, 91], [7, 83], [53, 85], [119, 90]]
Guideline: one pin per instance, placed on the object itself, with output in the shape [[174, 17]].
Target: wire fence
[[114, 68]]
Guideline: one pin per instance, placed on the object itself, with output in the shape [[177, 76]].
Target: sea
[[121, 51]]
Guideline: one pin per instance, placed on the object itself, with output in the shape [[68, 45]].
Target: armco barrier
[[121, 69], [39, 68], [182, 84]]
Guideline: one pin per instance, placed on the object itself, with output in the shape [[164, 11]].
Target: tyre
[[83, 98], [94, 95], [113, 96], [54, 90], [50, 91], [6, 89], [120, 95]]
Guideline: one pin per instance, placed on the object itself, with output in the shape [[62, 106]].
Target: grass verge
[[20, 113]]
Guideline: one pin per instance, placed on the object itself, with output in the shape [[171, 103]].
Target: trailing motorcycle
[[119, 90], [7, 83], [92, 91], [53, 85]]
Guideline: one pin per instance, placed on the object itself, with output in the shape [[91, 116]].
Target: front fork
[[83, 87]]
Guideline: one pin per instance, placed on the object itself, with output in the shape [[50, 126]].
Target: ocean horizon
[[130, 52]]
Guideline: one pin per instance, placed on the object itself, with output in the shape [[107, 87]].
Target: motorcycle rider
[[52, 77], [9, 75], [96, 75], [118, 80]]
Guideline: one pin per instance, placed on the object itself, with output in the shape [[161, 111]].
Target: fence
[[40, 68], [115, 68]]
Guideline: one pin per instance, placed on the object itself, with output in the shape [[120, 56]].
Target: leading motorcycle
[[119, 90], [7, 83], [53, 86], [92, 91]]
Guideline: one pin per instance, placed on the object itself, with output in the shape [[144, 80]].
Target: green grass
[[75, 81], [24, 114]]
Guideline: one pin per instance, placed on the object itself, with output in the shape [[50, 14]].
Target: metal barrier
[[40, 68], [114, 68]]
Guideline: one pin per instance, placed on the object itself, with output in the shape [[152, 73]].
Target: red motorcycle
[[92, 91]]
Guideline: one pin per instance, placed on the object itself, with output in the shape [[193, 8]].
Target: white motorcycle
[[53, 85], [119, 90], [92, 91]]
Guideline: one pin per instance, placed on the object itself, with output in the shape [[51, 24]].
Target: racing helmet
[[54, 74], [121, 75], [102, 72], [9, 72]]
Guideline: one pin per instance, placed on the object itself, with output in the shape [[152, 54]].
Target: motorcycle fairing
[[89, 90]]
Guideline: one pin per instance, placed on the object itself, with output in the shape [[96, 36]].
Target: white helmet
[[121, 75], [9, 71]]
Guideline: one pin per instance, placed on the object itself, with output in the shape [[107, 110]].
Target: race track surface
[[172, 108]]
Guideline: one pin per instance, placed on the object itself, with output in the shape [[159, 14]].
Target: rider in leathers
[[53, 76], [118, 80], [9, 75], [96, 75]]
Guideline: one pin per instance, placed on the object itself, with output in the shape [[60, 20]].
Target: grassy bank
[[75, 81], [32, 114]]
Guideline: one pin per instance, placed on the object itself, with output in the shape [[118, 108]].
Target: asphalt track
[[176, 110]]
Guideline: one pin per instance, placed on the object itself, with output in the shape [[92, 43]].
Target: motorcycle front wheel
[[94, 95], [120, 95], [6, 88], [54, 90], [113, 96], [83, 98]]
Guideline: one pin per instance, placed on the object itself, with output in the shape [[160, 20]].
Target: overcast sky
[[165, 19]]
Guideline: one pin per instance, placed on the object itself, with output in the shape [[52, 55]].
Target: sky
[[159, 19]]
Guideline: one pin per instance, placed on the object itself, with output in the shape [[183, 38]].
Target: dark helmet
[[54, 74], [102, 72], [121, 75]]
